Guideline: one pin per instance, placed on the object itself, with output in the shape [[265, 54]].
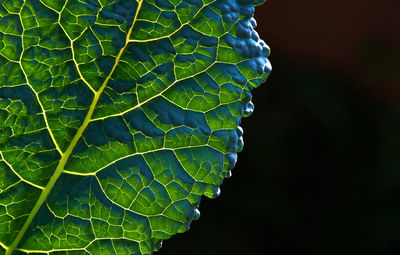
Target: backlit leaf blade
[[117, 116]]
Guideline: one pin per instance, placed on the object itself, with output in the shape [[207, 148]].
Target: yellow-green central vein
[[65, 156]]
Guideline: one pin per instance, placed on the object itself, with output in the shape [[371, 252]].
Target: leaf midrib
[[65, 156]]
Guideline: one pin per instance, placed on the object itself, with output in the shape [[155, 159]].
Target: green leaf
[[117, 116]]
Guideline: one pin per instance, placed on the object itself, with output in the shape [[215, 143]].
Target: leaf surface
[[117, 116]]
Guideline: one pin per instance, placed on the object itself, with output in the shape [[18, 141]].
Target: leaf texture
[[117, 116]]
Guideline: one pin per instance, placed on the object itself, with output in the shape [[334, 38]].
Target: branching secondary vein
[[65, 156]]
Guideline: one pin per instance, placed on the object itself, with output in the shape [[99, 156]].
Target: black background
[[320, 170]]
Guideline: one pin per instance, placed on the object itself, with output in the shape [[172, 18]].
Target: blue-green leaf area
[[116, 117]]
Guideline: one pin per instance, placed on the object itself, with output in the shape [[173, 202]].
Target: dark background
[[320, 170]]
